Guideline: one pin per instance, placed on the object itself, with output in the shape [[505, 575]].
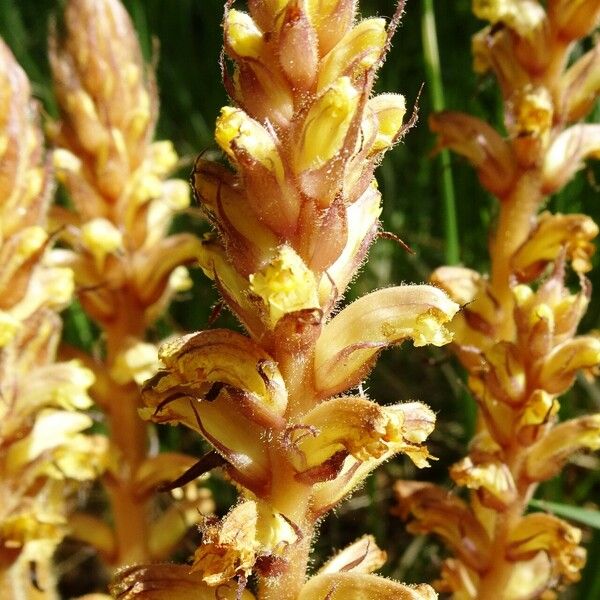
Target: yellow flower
[[242, 34], [101, 238], [285, 285], [552, 234], [349, 343], [326, 125], [358, 427], [493, 480], [170, 582], [547, 457], [231, 548], [137, 362], [236, 132], [524, 16], [435, 510], [540, 532], [358, 51]]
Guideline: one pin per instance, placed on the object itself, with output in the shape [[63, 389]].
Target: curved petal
[[482, 145], [566, 154], [547, 457], [361, 586], [435, 510], [224, 386], [363, 556], [580, 86], [220, 356], [169, 582], [553, 233], [362, 218], [543, 532], [349, 343], [561, 365], [418, 422], [166, 466], [153, 267], [358, 427], [247, 238]]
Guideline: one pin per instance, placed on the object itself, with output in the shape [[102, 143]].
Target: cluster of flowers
[[294, 208], [294, 214], [516, 334], [43, 452], [114, 253]]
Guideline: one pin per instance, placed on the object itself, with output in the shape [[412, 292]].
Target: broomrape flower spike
[[43, 449], [295, 214], [516, 335], [116, 242]]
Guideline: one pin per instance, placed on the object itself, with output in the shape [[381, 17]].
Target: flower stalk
[[294, 211], [516, 334]]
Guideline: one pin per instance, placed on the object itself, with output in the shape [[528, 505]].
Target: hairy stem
[[289, 496], [129, 438], [498, 575]]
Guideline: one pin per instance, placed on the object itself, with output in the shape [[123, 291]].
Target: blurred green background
[[188, 35]]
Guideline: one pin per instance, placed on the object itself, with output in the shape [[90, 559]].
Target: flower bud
[[236, 132], [356, 53], [326, 125], [332, 19], [242, 36], [481, 145], [298, 47]]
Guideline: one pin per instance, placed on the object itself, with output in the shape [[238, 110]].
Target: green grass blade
[[585, 516], [434, 80]]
